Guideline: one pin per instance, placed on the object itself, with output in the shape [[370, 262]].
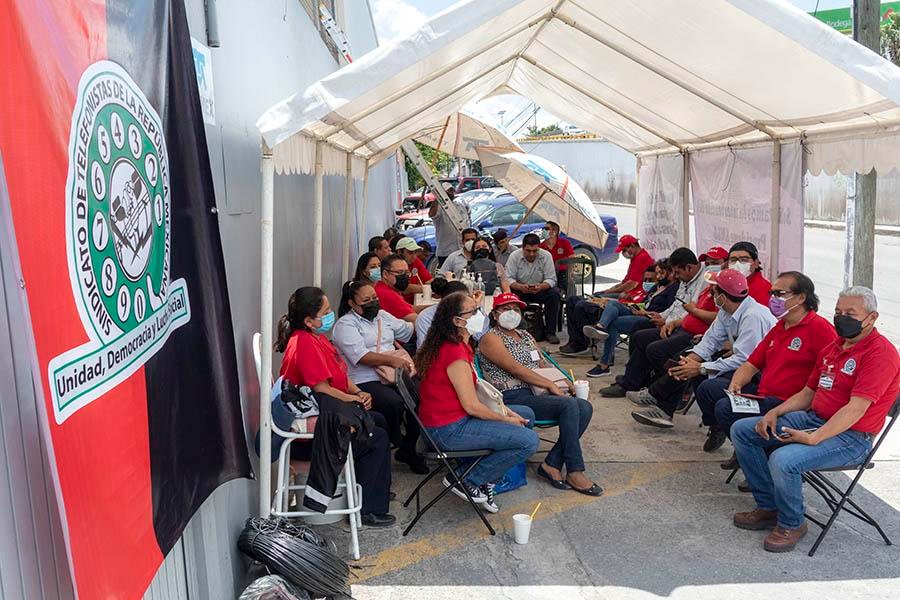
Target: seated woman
[[483, 263], [449, 406], [368, 268], [311, 360], [508, 358], [356, 335], [620, 317], [440, 287]]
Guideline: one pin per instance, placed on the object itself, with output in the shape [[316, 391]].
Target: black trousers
[[648, 352], [580, 312], [550, 299], [387, 401], [372, 467]]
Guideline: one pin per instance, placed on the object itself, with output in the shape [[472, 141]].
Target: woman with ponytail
[[311, 360]]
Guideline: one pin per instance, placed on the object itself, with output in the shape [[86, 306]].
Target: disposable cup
[[522, 528], [426, 292], [582, 389]]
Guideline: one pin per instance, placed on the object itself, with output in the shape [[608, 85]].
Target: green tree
[[890, 38], [440, 162], [554, 129]]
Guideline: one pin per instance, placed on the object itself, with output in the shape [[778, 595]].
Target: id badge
[[826, 381], [535, 356]]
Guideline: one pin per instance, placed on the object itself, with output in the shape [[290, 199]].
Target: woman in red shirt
[[449, 407], [311, 360]]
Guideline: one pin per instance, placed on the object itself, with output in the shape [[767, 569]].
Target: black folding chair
[[409, 390], [837, 498]]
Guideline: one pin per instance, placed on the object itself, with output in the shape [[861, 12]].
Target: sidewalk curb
[[890, 230]]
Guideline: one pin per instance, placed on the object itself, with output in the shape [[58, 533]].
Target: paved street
[[824, 263]]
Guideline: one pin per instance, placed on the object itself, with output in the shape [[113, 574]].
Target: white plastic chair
[[283, 487]]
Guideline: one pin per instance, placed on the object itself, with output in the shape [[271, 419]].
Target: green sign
[[842, 18]]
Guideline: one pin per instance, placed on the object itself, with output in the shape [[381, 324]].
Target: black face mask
[[847, 327], [662, 283], [370, 310], [402, 282], [482, 253]]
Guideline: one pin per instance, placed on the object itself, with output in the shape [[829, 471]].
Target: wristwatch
[[704, 371]]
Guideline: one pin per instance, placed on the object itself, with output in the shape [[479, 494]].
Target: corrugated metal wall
[[270, 49]]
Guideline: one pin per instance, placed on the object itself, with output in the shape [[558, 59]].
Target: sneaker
[[613, 391], [714, 439], [477, 495], [570, 350], [641, 397], [653, 417], [490, 503], [593, 332], [598, 371], [551, 338]]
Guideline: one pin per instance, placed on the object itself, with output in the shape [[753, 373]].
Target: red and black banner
[[104, 153]]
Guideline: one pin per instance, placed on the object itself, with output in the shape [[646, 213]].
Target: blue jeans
[[573, 415], [777, 479], [620, 325], [511, 444]]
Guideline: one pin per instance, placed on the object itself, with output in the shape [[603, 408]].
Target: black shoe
[[744, 487], [570, 350], [613, 391], [551, 338], [373, 520], [598, 371], [731, 464], [714, 439], [415, 462]]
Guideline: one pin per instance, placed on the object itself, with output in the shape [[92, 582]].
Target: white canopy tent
[[653, 76]]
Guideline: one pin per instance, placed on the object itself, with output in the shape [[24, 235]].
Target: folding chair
[[838, 499], [409, 391]]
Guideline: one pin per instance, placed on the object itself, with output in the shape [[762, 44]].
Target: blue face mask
[[375, 274], [649, 285], [327, 322]]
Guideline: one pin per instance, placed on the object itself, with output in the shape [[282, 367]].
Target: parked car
[[420, 218], [504, 211], [466, 184]]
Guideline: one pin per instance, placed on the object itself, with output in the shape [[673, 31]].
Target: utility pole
[[860, 214]]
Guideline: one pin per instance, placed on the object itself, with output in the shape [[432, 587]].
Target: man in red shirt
[[716, 256], [744, 257], [829, 423], [784, 358], [581, 311], [559, 248], [408, 249], [394, 281]]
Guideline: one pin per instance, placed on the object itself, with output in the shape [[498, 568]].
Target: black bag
[[533, 319], [488, 271]]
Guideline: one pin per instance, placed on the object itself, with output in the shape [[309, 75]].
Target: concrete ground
[[661, 529]]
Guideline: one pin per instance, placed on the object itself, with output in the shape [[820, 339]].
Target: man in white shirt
[[444, 231], [532, 276], [457, 261]]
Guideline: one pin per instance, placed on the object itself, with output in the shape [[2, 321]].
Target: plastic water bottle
[[479, 284]]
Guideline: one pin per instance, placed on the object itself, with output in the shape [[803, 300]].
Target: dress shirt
[[688, 292], [355, 337], [745, 329], [542, 270]]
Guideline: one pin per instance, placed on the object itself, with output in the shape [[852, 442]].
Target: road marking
[[400, 557]]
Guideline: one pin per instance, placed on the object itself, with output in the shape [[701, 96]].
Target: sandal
[[557, 483], [594, 490]]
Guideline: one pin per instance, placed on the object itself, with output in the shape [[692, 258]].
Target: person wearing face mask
[[778, 366], [408, 249], [311, 360], [394, 281], [619, 318], [740, 319], [744, 258], [492, 273], [368, 268], [560, 248], [364, 335], [831, 422], [449, 405], [457, 261], [716, 256], [509, 356]]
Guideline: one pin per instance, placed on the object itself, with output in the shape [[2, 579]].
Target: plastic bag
[[273, 587], [513, 479]]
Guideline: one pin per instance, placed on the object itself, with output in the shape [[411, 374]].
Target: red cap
[[509, 298], [715, 253], [625, 241], [730, 281]]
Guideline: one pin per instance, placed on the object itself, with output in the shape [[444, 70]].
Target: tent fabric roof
[[648, 75]]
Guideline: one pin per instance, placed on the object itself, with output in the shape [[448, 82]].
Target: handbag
[[386, 373], [554, 375], [490, 396]]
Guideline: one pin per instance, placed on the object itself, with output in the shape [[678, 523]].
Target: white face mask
[[468, 245], [743, 268], [509, 319], [713, 268], [475, 323]]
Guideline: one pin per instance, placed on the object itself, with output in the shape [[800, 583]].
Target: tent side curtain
[[647, 75], [297, 155]]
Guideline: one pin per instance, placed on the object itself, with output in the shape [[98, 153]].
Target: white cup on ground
[[582, 389], [522, 528]]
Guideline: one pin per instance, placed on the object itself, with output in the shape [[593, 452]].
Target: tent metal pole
[[348, 201], [686, 200], [361, 235], [318, 216], [775, 211], [683, 85], [267, 291], [637, 197]]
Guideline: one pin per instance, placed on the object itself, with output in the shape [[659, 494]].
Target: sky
[[395, 18]]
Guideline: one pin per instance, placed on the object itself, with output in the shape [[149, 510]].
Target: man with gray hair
[[829, 423]]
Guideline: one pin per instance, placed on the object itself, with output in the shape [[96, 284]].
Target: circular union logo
[[118, 197]]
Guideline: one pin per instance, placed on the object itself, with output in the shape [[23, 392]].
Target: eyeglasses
[[780, 293], [396, 273], [468, 312], [740, 259]]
